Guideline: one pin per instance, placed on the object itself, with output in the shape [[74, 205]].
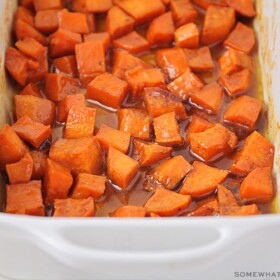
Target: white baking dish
[[170, 248]]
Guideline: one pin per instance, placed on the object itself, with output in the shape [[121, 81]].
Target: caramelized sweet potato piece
[[89, 6], [149, 154], [110, 137], [74, 207], [167, 203], [243, 111], [39, 163], [108, 90], [25, 199], [22, 13], [204, 4], [202, 180], [132, 42], [159, 101], [187, 36], [161, 30], [81, 155], [88, 185], [243, 7], [200, 60], [46, 21], [128, 211], [172, 62], [218, 22], [183, 12], [118, 23], [47, 4], [167, 130], [121, 169], [170, 172], [257, 151], [101, 37], [208, 208], [31, 48], [80, 122], [31, 89], [140, 11], [209, 98], [66, 65]]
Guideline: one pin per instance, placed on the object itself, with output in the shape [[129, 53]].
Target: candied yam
[[110, 137], [47, 4], [204, 4], [39, 163], [107, 89], [21, 171], [31, 89], [167, 203], [242, 38], [187, 36], [183, 12], [30, 47], [65, 105], [118, 23], [202, 180], [70, 207], [81, 155], [185, 85], [209, 98], [233, 61], [257, 151], [257, 187], [237, 83], [57, 181], [58, 86], [25, 199], [89, 6], [102, 37], [63, 42], [208, 208], [88, 185], [172, 62], [132, 42], [140, 11], [243, 7], [159, 101], [218, 22], [46, 21], [66, 65], [23, 14], [121, 169], [128, 211], [149, 154], [80, 122], [167, 130], [213, 142], [91, 60], [170, 172], [135, 121], [243, 111], [161, 30], [200, 60]]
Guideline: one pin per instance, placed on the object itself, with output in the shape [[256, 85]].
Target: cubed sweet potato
[[28, 4], [243, 7], [88, 185], [207, 208], [31, 89], [102, 37], [81, 155], [167, 130], [66, 65], [46, 21], [187, 36], [39, 163], [24, 14], [204, 4], [129, 211], [47, 4], [203, 180], [30, 47], [89, 6], [107, 89], [121, 169], [91, 22], [25, 199]]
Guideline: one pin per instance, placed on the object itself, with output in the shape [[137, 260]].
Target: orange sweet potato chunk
[[170, 172], [129, 211], [66, 65], [21, 171], [47, 4], [110, 137], [257, 151], [107, 89], [36, 108], [200, 60], [121, 169], [159, 101], [202, 180], [24, 14], [118, 23], [32, 132], [183, 12], [70, 207], [161, 30], [28, 4], [204, 4], [57, 181], [167, 130], [243, 7], [209, 98], [46, 21], [102, 37], [39, 163], [91, 22], [172, 62], [207, 208], [243, 111], [89, 6], [31, 89], [140, 11], [80, 155], [31, 48], [80, 122], [218, 22], [88, 185], [167, 203], [25, 199], [149, 154], [187, 36]]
